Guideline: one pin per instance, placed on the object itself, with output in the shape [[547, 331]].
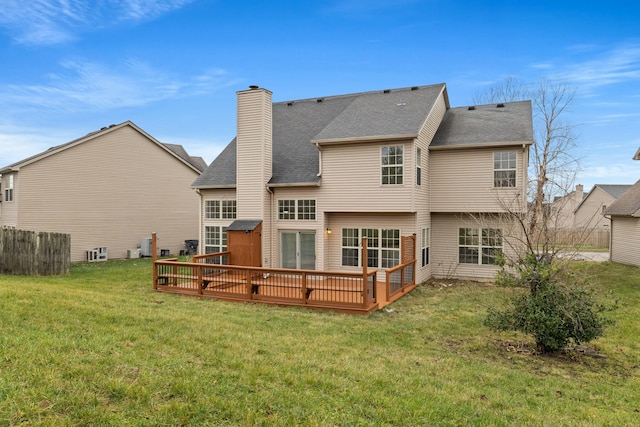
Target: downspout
[[200, 224], [271, 227], [319, 159]]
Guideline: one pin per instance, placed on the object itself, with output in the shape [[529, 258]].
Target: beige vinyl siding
[[625, 240], [421, 194], [444, 244], [111, 191], [253, 152], [589, 213], [351, 178], [338, 221], [254, 148], [462, 181]]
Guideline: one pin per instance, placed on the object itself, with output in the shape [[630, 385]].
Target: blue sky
[[69, 67]]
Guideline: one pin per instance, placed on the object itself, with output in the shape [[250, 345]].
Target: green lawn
[[100, 347]]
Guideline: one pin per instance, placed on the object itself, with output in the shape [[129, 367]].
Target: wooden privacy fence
[[29, 253], [580, 236]]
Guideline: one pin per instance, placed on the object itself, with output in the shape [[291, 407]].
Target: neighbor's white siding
[[590, 213], [9, 210], [625, 240], [110, 191]]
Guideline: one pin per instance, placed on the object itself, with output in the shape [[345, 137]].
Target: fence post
[[153, 258]]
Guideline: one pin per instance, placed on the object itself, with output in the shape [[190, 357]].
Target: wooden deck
[[349, 292]]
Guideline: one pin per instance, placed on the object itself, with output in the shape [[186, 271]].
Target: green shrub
[[555, 310]]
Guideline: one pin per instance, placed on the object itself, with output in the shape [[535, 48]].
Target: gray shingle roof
[[614, 190], [298, 124], [628, 203], [485, 124], [244, 225], [196, 162]]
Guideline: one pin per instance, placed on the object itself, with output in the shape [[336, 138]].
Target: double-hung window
[[424, 252], [215, 239], [392, 164], [8, 192], [418, 166], [383, 247], [504, 169], [479, 245], [297, 209], [216, 209]]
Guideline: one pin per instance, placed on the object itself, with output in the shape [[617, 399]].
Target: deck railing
[[208, 276], [400, 278]]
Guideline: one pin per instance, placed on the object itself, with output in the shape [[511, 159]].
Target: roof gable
[[173, 149], [628, 204]]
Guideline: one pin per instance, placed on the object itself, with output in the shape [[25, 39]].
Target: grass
[[100, 347]]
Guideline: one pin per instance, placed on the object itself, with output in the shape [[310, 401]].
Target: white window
[[228, 209], [479, 245], [418, 166], [383, 247], [8, 192], [424, 247], [297, 209], [215, 239], [392, 161], [216, 209], [504, 169]]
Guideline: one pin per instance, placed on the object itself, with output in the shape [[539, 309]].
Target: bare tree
[[553, 164]]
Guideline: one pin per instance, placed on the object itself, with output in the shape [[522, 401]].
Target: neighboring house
[[110, 188], [625, 227], [590, 213], [320, 174], [563, 209]]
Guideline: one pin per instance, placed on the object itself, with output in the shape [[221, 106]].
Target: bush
[[554, 313]]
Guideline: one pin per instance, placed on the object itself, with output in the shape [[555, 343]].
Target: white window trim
[[479, 246], [403, 165], [514, 169], [296, 212], [379, 248]]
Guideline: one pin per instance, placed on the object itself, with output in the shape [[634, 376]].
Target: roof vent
[[386, 91], [473, 107], [500, 105], [254, 87], [319, 99], [414, 88], [290, 103]]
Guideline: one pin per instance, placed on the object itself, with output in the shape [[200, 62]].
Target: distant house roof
[[485, 124], [628, 204], [176, 150], [197, 162], [637, 155], [302, 125], [613, 190]]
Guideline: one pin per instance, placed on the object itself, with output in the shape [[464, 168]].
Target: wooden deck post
[[365, 282], [153, 258]]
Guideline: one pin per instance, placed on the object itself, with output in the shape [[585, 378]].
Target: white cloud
[[49, 22], [616, 66], [80, 85]]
